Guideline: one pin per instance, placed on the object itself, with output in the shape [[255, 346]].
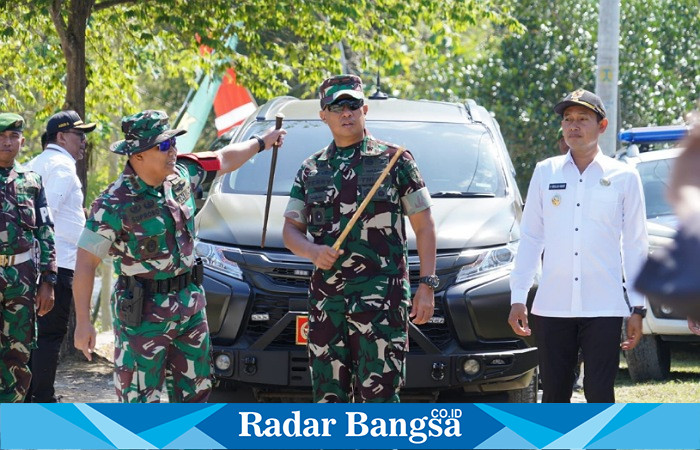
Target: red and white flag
[[232, 104]]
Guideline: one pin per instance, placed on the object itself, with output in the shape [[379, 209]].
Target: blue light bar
[[654, 134]]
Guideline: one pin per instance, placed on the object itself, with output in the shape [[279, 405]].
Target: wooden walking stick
[[278, 124], [365, 202]]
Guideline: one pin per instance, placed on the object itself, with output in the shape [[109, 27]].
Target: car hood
[[237, 220]]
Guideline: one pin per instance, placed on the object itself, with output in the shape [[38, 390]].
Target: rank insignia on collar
[[604, 182], [556, 200]]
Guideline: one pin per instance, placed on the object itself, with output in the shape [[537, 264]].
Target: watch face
[[433, 281], [50, 278]]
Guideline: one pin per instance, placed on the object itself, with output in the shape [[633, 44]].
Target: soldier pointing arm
[[145, 221]]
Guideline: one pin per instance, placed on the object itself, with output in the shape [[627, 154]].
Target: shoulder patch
[[208, 160]]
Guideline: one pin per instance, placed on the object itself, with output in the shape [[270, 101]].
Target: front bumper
[[496, 370], [474, 329]]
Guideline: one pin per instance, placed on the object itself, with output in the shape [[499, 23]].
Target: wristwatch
[[50, 278], [261, 142], [639, 310], [431, 280]]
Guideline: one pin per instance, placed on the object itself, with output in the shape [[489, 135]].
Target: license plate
[[302, 334]]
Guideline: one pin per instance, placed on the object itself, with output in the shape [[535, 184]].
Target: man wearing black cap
[[25, 225], [145, 221], [586, 212], [66, 141]]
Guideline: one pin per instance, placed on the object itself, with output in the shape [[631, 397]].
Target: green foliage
[[283, 45], [520, 76]]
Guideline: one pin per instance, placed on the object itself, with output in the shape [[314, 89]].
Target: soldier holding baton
[[352, 197]]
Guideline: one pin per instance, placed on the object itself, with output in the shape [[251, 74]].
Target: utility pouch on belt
[[131, 307], [198, 272]]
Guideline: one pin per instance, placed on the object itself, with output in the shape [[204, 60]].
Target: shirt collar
[[600, 159], [368, 147], [135, 183], [60, 149]]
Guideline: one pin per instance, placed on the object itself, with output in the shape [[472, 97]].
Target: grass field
[[683, 386]]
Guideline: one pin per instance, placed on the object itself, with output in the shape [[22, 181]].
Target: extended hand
[[423, 305], [85, 338], [518, 319], [273, 137], [694, 325]]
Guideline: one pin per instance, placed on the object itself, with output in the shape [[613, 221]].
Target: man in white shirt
[[66, 142], [586, 212]]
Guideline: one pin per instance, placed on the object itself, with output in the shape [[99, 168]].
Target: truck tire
[[528, 394], [649, 360]]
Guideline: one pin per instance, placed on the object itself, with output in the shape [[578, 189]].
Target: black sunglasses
[[352, 104], [165, 145]]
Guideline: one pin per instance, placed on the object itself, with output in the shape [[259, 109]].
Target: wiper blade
[[457, 194]]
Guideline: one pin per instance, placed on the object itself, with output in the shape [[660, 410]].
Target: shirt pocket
[[319, 211], [604, 205], [557, 206], [383, 205], [27, 215]]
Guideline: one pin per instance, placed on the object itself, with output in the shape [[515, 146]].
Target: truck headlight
[[213, 258], [487, 260]]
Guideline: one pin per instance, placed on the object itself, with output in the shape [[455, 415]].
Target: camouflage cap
[[11, 122], [143, 131], [581, 97], [339, 86]]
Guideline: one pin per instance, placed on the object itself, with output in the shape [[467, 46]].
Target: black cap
[[581, 97], [66, 120]]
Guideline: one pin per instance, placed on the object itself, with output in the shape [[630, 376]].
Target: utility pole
[[608, 68]]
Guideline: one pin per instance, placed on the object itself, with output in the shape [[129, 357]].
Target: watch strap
[[261, 142]]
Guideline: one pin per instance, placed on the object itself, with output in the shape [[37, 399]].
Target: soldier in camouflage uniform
[[145, 221], [26, 231], [360, 295]]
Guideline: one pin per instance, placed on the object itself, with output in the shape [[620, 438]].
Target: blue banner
[[308, 426]]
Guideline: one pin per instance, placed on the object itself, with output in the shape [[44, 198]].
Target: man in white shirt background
[[586, 212], [66, 141]]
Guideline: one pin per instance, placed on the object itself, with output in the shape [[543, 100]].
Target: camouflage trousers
[[17, 293], [357, 357], [178, 348]]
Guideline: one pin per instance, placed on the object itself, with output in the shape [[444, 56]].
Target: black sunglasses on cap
[[352, 104]]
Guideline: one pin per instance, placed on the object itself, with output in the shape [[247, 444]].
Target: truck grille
[[276, 307]]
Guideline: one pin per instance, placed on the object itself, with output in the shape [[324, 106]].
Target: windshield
[[467, 163], [655, 176]]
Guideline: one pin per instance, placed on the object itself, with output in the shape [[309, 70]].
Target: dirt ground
[[82, 381]]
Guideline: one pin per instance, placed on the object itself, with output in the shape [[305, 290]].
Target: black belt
[[167, 285], [177, 283]]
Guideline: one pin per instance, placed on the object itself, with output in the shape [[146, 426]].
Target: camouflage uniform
[[149, 233], [358, 310], [24, 223]]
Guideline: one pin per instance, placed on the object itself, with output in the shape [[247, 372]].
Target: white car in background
[[651, 358]]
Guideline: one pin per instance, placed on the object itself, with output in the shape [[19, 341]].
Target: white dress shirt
[[591, 226], [65, 198]]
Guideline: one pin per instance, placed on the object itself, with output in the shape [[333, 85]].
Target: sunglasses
[[77, 133], [165, 145], [352, 104]]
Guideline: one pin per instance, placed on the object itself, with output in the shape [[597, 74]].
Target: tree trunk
[[70, 23]]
